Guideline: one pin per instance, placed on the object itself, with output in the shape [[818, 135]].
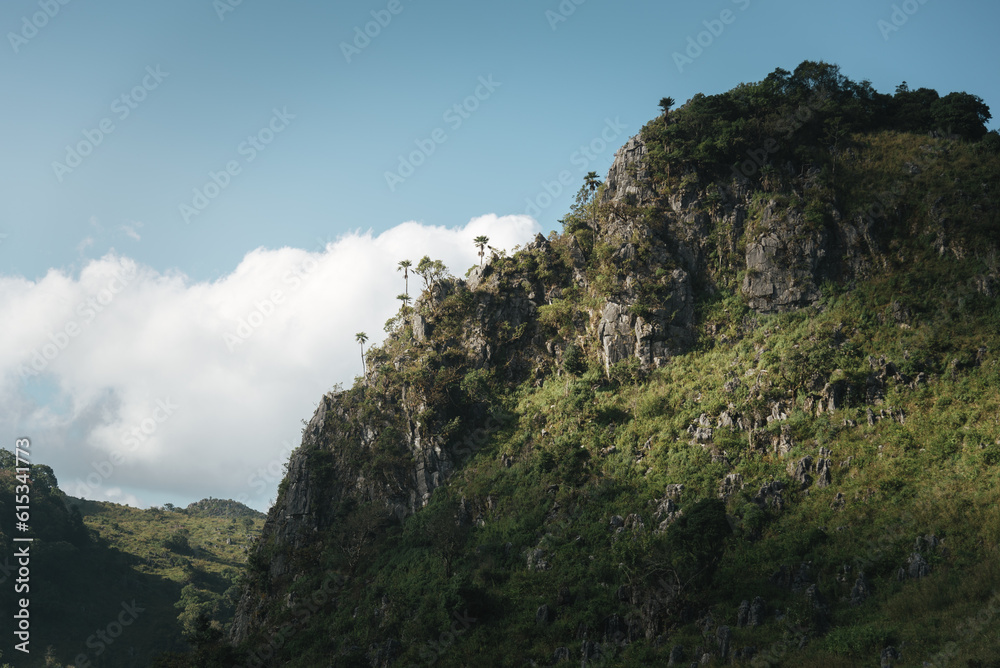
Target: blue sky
[[209, 85]]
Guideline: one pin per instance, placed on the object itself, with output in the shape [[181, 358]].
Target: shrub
[[573, 360]]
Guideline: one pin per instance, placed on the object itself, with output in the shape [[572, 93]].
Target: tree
[[362, 338], [666, 104], [405, 298], [430, 270], [481, 242], [404, 266], [592, 183], [448, 534], [962, 114]]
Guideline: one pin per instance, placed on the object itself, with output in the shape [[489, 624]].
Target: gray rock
[[629, 178], [615, 630], [833, 396], [861, 590], [726, 420], [917, 567], [544, 615], [707, 624], [676, 655], [814, 598], [723, 636], [823, 476], [634, 523], [773, 281], [420, 329], [731, 484], [889, 654], [757, 611], [667, 512], [783, 442], [673, 491], [801, 470], [561, 654], [536, 560], [743, 614]]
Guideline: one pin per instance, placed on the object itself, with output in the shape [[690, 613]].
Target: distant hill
[[226, 508], [94, 563]]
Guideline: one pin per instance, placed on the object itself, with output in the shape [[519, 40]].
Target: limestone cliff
[[624, 290]]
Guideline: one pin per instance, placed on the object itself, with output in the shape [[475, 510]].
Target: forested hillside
[[744, 409]]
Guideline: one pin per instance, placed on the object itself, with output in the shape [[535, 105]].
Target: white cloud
[[174, 389], [116, 495], [132, 230]]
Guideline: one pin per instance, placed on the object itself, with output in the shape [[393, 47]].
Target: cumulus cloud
[[145, 386]]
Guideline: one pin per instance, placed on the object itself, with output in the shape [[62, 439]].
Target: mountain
[[111, 586], [742, 410]]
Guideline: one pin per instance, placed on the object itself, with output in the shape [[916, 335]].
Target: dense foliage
[[792, 121]]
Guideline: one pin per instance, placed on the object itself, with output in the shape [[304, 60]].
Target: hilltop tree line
[[797, 118]]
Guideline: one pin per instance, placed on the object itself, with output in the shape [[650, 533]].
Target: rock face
[[324, 472], [785, 261], [789, 251], [628, 179]]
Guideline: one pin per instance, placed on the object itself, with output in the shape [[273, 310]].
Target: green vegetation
[[93, 561], [620, 511]]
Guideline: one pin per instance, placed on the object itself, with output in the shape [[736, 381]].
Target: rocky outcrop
[[784, 261], [628, 178]]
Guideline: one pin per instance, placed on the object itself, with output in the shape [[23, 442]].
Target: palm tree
[[481, 242], [666, 103], [592, 183], [405, 298], [404, 266], [362, 338]]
